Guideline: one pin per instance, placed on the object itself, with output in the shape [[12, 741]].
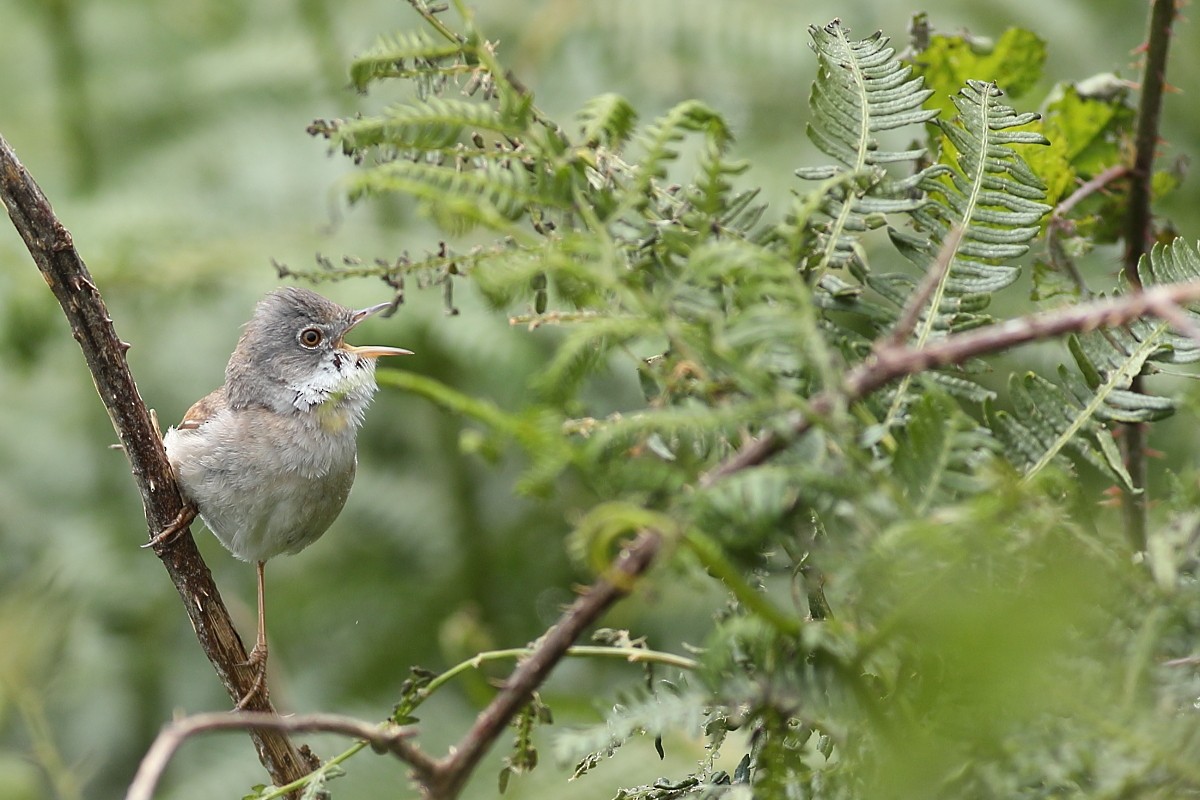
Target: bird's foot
[[174, 527], [257, 660]]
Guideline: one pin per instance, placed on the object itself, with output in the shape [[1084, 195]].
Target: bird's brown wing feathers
[[203, 410]]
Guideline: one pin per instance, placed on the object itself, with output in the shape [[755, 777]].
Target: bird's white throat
[[339, 391]]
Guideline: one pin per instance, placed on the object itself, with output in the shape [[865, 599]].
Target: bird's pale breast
[[265, 483]]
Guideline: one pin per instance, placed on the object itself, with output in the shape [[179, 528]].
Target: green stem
[[449, 399], [714, 561], [285, 790]]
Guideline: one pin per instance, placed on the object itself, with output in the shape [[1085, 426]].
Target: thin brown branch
[[911, 313], [385, 738], [1139, 228], [1139, 236], [888, 363], [451, 773], [53, 251], [1088, 188], [1059, 225]]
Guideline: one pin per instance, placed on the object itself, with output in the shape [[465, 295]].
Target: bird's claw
[[176, 526], [257, 660]]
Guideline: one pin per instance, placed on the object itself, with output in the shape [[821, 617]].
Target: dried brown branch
[[385, 738], [890, 362], [50, 245]]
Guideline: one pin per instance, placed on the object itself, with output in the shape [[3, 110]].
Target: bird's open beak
[[372, 351]]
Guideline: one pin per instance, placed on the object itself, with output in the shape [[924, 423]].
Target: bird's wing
[[203, 410]]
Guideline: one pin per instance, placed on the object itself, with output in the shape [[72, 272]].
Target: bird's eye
[[310, 337]]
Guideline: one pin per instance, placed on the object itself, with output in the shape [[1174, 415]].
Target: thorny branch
[[889, 362], [50, 245], [1139, 235]]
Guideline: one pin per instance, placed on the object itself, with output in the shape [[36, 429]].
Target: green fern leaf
[[861, 89], [939, 452], [492, 194], [661, 138], [1049, 420], [608, 121], [986, 190], [1177, 262], [435, 124], [1074, 413], [399, 56]]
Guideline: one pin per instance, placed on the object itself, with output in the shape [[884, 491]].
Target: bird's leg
[[174, 527], [258, 656]]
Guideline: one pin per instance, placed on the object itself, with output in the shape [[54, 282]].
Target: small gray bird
[[268, 459]]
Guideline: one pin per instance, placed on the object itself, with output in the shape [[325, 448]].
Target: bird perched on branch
[[267, 460]]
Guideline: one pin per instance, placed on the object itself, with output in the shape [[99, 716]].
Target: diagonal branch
[[447, 779], [53, 251], [889, 362]]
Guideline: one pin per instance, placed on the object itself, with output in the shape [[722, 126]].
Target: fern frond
[[988, 192], [608, 120], [984, 189], [1074, 414], [860, 90], [587, 344], [491, 194], [713, 186], [1047, 420], [938, 452], [638, 714], [1176, 262], [433, 124], [661, 138], [404, 55]]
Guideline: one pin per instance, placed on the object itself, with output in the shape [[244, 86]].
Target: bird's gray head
[[292, 355]]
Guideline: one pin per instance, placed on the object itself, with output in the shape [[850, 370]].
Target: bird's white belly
[[263, 494]]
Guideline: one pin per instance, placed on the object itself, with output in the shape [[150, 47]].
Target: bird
[[267, 460]]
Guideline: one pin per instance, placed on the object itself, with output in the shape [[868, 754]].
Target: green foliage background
[[171, 138]]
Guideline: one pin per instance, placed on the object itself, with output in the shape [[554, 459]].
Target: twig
[[385, 738], [890, 362], [631, 654], [1058, 223], [1087, 189], [915, 304], [447, 778], [53, 251]]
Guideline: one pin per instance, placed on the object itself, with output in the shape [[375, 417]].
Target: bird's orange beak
[[371, 351]]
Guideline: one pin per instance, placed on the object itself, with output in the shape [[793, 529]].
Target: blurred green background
[[170, 137]]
